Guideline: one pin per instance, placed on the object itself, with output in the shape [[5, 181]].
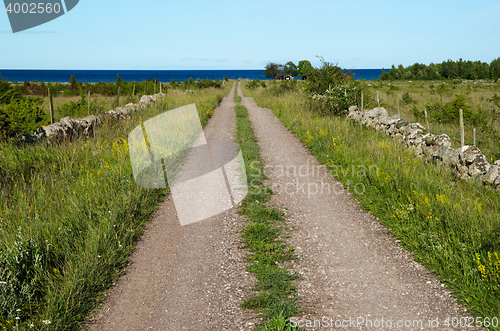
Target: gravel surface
[[189, 277], [351, 269]]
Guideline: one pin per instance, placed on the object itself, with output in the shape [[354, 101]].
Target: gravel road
[[354, 276]]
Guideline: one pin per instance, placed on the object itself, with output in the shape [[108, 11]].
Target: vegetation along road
[[342, 227]]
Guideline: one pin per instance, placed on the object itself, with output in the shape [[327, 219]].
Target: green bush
[[335, 100], [206, 83], [449, 112], [496, 100], [79, 108], [321, 79], [22, 116], [407, 99], [256, 83], [282, 87], [4, 87]]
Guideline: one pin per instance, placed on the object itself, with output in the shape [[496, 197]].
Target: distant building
[[284, 77]]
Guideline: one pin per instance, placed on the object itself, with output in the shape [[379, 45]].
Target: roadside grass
[[70, 214], [276, 299], [452, 227], [482, 96], [98, 102]]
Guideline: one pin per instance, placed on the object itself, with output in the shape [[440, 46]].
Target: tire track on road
[[184, 278]]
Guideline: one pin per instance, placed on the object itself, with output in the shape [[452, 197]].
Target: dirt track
[[194, 278], [184, 278]]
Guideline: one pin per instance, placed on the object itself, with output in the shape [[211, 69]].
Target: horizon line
[[167, 69]]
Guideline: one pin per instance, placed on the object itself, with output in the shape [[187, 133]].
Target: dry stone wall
[[468, 161], [68, 128]]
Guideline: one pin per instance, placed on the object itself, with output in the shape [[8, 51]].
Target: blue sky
[[221, 34]]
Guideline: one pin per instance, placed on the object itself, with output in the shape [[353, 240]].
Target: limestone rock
[[478, 169], [442, 140], [462, 171], [492, 174], [446, 154], [356, 116], [389, 120], [68, 122], [496, 183], [54, 131], [401, 123], [353, 109], [376, 112], [391, 130], [145, 99], [470, 155], [29, 138]]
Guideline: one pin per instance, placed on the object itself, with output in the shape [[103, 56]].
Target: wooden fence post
[[474, 136], [51, 105], [378, 100], [362, 101], [427, 120], [462, 138], [160, 88], [399, 111], [118, 96], [88, 105]]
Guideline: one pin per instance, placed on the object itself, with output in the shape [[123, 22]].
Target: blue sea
[[93, 76]]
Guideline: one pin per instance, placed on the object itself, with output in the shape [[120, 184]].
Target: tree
[[4, 87], [449, 69], [385, 75], [72, 83], [326, 77], [495, 68], [291, 69], [304, 68], [273, 70]]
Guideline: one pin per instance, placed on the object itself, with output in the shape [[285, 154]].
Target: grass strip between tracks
[[276, 297]]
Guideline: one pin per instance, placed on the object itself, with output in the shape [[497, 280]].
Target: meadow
[[480, 99], [70, 214], [450, 226]]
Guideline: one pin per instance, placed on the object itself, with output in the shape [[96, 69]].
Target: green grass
[[70, 214], [237, 98], [276, 297], [102, 103], [443, 221], [426, 93]]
